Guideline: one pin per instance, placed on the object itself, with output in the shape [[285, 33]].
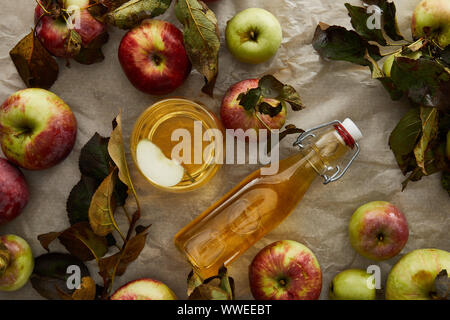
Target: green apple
[[413, 276], [253, 35], [431, 18], [352, 284], [387, 66]]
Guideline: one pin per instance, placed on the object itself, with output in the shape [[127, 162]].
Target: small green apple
[[432, 18], [253, 35], [352, 284]]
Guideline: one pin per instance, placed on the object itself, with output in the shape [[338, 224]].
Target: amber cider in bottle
[[261, 202]]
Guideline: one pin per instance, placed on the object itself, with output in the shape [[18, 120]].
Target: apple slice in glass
[[156, 167]]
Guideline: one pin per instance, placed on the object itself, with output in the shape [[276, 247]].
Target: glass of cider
[[200, 127]]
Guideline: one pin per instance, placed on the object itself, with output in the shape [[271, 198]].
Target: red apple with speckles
[[14, 192], [285, 270], [378, 230], [37, 129], [144, 289], [153, 57], [53, 32], [234, 116]]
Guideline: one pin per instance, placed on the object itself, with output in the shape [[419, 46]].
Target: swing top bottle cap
[[352, 129]]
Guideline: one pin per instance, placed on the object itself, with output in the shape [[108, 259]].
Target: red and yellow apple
[[285, 270], [14, 192], [144, 289], [153, 57], [16, 262], [37, 129], [54, 33], [235, 116], [378, 230], [413, 276]]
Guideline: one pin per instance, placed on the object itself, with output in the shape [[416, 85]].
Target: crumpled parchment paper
[[330, 90]]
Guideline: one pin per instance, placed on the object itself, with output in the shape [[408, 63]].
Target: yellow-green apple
[[144, 289], [37, 129], [431, 19], [378, 230], [413, 276], [14, 192], [53, 30], [16, 262], [352, 284], [253, 35], [153, 57], [235, 116], [285, 270]]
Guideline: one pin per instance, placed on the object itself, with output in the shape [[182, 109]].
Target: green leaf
[[338, 43], [83, 243], [95, 161], [35, 65], [117, 264], [250, 99], [194, 280], [74, 43], [92, 53], [80, 199], [270, 110], [272, 88], [425, 81], [429, 118], [101, 210], [50, 274], [404, 137], [359, 20], [132, 13], [201, 39]]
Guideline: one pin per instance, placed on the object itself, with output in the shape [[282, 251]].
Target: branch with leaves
[[94, 201], [418, 70]]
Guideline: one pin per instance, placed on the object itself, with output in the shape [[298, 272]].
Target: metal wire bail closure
[[338, 172]]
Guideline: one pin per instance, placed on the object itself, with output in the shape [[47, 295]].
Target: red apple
[[144, 289], [13, 192], [54, 33], [285, 270], [16, 262], [378, 230], [153, 57], [234, 116], [37, 129]]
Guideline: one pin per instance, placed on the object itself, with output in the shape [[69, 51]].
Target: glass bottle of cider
[[261, 202]]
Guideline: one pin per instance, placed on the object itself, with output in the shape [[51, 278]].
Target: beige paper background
[[331, 91]]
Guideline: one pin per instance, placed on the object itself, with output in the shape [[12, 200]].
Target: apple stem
[[5, 259], [42, 7], [253, 35]]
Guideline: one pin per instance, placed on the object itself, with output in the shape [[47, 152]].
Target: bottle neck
[[327, 148]]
